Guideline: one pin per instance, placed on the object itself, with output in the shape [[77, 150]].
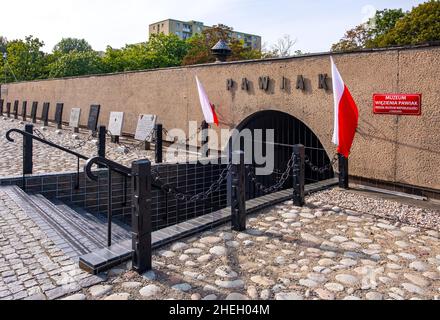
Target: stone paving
[[48, 159], [288, 253], [31, 266]]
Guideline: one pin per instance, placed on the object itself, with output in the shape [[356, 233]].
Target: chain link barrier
[[202, 196], [277, 186], [324, 169]]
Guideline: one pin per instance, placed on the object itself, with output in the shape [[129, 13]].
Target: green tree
[[76, 64], [25, 59], [421, 25], [166, 50], [353, 39], [160, 51], [68, 45], [200, 46]]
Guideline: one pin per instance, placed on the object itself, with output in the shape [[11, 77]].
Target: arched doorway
[[288, 131]]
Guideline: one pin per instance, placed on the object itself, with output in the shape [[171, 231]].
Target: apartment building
[[186, 29]]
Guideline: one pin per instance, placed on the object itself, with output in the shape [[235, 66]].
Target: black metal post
[[27, 149], [109, 209], [298, 175], [115, 139], [159, 143], [343, 172], [141, 216], [238, 198], [101, 142], [24, 110], [205, 139]]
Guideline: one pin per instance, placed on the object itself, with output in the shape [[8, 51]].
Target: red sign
[[398, 104]]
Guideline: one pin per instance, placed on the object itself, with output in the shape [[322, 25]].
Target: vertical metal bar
[[109, 209], [298, 175], [159, 143], [141, 216], [238, 200], [124, 200], [27, 149], [77, 174], [205, 140], [101, 142], [343, 172]]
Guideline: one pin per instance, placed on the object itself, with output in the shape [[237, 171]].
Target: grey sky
[[315, 24]]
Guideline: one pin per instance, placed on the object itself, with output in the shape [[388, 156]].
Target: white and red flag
[[207, 107], [346, 114]]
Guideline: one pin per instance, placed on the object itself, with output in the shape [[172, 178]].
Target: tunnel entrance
[[288, 131]]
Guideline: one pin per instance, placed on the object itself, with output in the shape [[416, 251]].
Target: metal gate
[[288, 131]]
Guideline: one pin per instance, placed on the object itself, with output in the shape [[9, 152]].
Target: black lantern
[[221, 51]]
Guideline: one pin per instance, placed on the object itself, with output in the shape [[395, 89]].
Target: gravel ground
[[410, 214], [319, 252]]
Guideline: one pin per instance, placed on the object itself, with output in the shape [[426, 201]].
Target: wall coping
[[430, 45]]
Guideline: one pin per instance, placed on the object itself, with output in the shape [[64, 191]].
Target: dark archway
[[288, 131]]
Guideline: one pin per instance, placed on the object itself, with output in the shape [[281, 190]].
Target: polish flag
[[207, 107], [346, 114]]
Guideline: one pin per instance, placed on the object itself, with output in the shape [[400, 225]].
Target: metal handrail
[[112, 165], [51, 144], [24, 133]]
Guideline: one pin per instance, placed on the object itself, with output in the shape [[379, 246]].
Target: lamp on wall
[[221, 51]]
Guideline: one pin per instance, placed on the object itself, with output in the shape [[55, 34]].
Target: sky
[[315, 24]]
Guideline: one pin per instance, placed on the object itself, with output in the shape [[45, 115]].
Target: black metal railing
[[141, 184], [111, 166], [28, 137]]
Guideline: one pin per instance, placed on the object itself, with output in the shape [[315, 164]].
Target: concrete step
[[76, 233], [94, 224]]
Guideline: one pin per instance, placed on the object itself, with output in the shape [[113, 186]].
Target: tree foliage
[[25, 60], [200, 45], [76, 64], [284, 46], [421, 25], [68, 45], [160, 52], [395, 27]]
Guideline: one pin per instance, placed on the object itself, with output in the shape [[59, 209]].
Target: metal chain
[[169, 189], [321, 170], [39, 134], [277, 186], [80, 144]]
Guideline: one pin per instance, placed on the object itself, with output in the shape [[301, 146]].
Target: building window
[[178, 25], [178, 33]]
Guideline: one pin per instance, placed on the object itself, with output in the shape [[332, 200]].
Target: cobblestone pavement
[[316, 252], [31, 266], [47, 159]]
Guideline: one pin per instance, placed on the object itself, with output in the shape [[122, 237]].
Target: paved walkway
[[317, 252], [31, 266]]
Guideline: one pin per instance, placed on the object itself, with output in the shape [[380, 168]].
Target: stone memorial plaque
[[1, 106], [59, 114], [34, 111], [45, 113], [92, 122], [75, 115], [15, 112], [24, 110], [8, 109], [115, 123], [145, 127]]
